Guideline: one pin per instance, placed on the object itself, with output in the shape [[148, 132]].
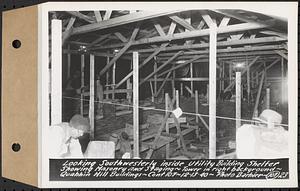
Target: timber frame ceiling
[[170, 36]]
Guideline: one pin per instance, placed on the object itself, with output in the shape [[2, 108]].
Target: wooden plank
[[244, 71], [107, 14], [224, 22], [248, 83], [162, 66], [163, 84], [130, 18], [121, 37], [190, 91], [181, 65], [68, 64], [159, 29], [172, 28], [207, 19], [197, 111], [180, 120], [124, 112], [255, 112], [212, 90], [268, 98], [124, 79], [229, 42], [155, 76], [281, 54], [182, 22], [156, 52], [113, 79], [117, 91], [82, 16], [98, 16], [56, 72], [238, 99], [92, 97], [167, 125], [191, 76], [121, 52], [135, 61], [82, 63]]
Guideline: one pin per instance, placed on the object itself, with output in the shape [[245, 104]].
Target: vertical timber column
[[268, 98], [173, 83], [92, 97], [282, 80], [114, 80], [181, 89], [155, 76], [248, 83], [107, 78], [56, 72], [136, 104], [212, 89], [197, 111], [68, 63], [167, 125], [191, 75], [238, 99], [82, 84], [223, 76]]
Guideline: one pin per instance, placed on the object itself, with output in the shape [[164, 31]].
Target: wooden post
[[268, 98], [82, 84], [155, 76], [167, 125], [255, 112], [212, 89], [282, 81], [177, 105], [248, 83], [256, 78], [223, 76], [113, 80], [230, 73], [173, 82], [152, 92], [68, 64], [56, 72], [238, 99], [107, 77], [136, 104], [177, 98], [191, 75], [181, 89], [197, 111], [128, 86], [92, 97], [207, 93]]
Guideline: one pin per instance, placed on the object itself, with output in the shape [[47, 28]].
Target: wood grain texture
[[19, 95]]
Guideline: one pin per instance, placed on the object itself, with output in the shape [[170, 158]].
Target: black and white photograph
[[186, 93]]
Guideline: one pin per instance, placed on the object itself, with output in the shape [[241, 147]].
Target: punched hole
[[16, 44], [16, 147]]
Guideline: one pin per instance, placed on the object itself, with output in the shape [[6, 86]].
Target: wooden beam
[[238, 99], [130, 18], [82, 16], [162, 66], [207, 19], [67, 33], [121, 52], [167, 125], [244, 71], [107, 14], [281, 54], [92, 97], [156, 52], [172, 28], [255, 112], [180, 65], [68, 64], [159, 29], [98, 40], [268, 98], [212, 90], [135, 59], [98, 16], [224, 21], [163, 84], [182, 22], [82, 63], [56, 72], [121, 37]]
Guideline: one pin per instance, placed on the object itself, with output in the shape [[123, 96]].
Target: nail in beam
[[135, 104], [238, 99], [56, 72], [212, 89], [92, 96]]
